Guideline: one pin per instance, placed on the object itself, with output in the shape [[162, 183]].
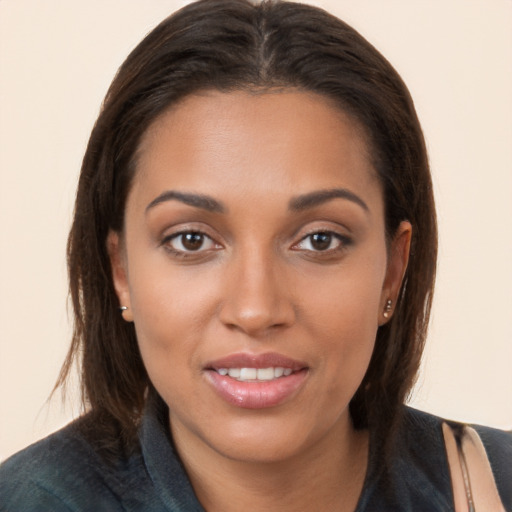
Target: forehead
[[243, 142]]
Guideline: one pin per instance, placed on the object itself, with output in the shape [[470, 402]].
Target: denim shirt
[[63, 472]]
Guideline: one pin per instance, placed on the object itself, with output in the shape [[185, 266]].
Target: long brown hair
[[238, 45]]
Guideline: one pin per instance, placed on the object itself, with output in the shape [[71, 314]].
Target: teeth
[[255, 374], [265, 373], [234, 373], [248, 373]]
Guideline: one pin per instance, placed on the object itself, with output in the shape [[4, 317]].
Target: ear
[[397, 265], [118, 265]]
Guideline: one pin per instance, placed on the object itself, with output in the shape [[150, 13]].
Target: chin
[[271, 439]]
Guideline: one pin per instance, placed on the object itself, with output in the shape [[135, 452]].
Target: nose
[[257, 296]]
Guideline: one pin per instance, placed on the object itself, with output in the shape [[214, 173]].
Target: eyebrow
[[312, 199], [299, 203], [197, 200]]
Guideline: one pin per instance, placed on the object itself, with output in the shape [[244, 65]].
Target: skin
[[258, 283]]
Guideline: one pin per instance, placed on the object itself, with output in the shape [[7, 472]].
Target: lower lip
[[256, 395]]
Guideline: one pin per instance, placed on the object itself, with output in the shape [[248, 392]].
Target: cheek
[[343, 317], [164, 295], [170, 309], [347, 301], [166, 334], [349, 342]]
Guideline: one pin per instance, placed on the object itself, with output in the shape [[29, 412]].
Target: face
[[255, 267]]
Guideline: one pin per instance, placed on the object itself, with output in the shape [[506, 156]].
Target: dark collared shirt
[[63, 472]]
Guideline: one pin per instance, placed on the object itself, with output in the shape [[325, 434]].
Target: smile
[[255, 374], [256, 381]]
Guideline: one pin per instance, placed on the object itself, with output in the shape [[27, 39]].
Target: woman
[[251, 263]]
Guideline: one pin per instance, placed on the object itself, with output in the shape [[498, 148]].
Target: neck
[[328, 475]]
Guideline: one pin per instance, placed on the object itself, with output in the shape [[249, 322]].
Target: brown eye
[[321, 241], [190, 241]]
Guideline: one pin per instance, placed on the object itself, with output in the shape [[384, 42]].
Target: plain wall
[[56, 61]]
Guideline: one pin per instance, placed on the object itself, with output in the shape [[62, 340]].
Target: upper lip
[[266, 360]]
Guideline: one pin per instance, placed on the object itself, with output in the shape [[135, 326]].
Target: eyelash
[[343, 243], [184, 253]]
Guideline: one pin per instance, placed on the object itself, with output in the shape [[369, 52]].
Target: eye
[[322, 241], [189, 241]]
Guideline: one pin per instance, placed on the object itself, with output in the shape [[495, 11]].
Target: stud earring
[[387, 308], [123, 308]]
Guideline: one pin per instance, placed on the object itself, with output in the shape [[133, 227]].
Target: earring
[[387, 308], [123, 308]]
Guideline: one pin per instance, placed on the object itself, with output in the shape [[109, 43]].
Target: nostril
[[254, 323], [255, 299]]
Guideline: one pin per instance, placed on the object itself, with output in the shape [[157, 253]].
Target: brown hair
[[232, 45]]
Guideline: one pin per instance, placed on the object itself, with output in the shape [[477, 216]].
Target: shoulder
[[424, 434], [63, 472], [35, 476], [498, 445], [416, 475]]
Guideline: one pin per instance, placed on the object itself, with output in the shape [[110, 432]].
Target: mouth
[[256, 381], [255, 374]]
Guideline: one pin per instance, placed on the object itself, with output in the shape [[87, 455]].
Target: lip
[[256, 395], [266, 360]]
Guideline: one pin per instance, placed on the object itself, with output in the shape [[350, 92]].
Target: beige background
[[56, 61]]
